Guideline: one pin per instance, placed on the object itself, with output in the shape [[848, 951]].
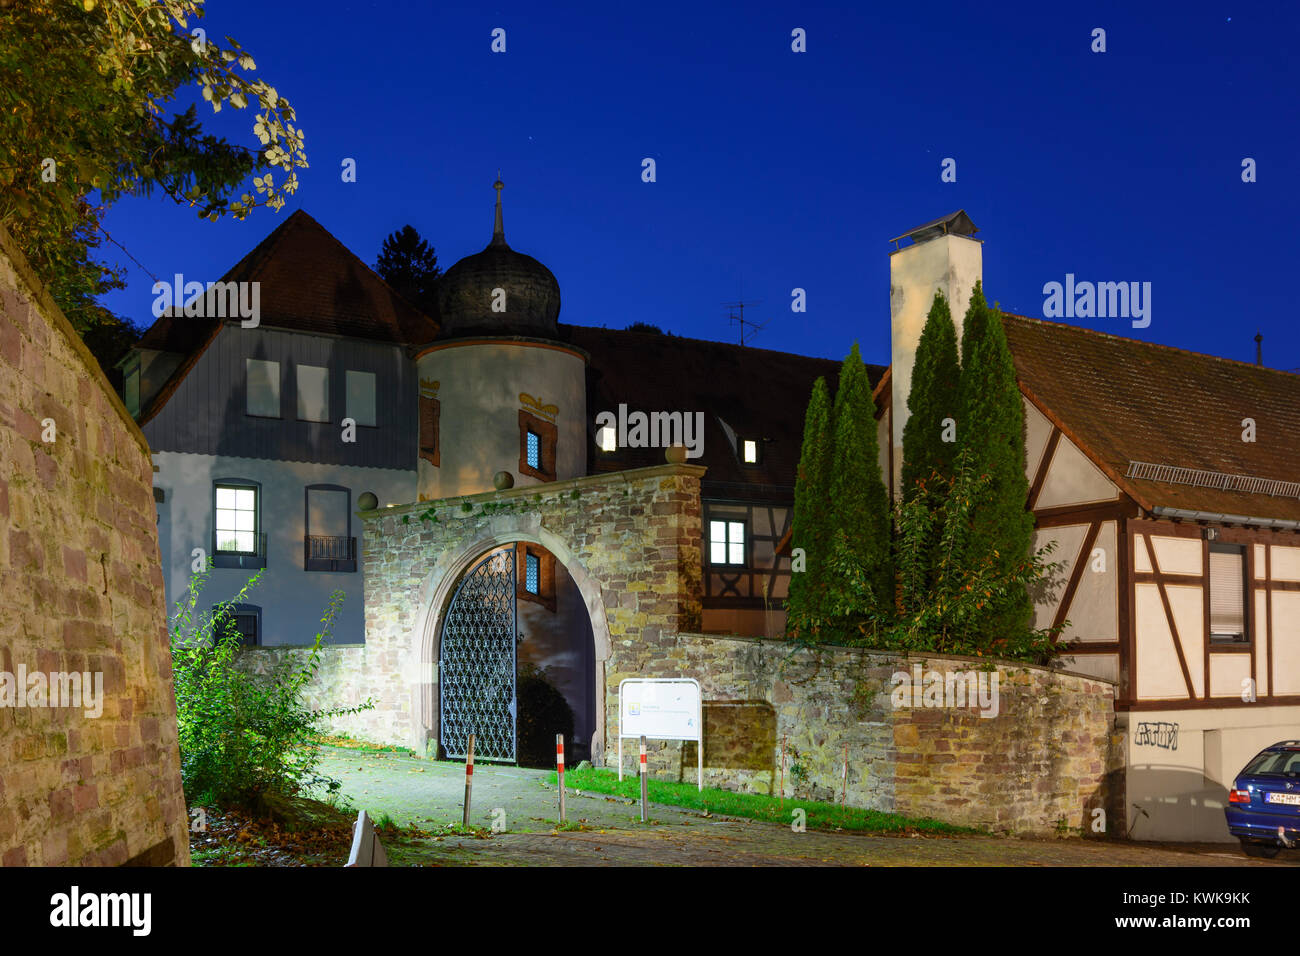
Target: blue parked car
[[1263, 809]]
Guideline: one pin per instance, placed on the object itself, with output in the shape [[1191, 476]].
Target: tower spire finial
[[498, 230]]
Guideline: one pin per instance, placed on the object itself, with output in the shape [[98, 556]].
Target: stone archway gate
[[629, 539]]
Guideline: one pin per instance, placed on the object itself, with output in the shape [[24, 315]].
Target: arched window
[[327, 543]]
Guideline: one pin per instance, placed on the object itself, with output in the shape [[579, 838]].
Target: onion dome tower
[[528, 300], [499, 392]]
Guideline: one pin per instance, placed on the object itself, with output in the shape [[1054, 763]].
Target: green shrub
[[941, 590], [243, 735]]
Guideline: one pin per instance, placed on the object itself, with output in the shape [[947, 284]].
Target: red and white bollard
[[643, 781], [559, 769], [469, 776]]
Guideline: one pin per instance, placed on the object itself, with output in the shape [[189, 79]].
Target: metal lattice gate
[[476, 662]]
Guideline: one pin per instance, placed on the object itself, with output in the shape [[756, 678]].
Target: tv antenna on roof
[[737, 316]]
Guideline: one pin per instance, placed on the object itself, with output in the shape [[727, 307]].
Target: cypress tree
[[860, 520], [812, 505], [934, 396], [992, 427]]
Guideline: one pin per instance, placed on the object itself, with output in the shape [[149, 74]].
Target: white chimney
[[943, 257]]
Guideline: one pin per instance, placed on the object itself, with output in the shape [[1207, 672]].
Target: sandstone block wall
[[1046, 757], [80, 591]]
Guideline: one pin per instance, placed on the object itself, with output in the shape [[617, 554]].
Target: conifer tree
[[992, 428], [810, 526], [934, 397], [860, 521]]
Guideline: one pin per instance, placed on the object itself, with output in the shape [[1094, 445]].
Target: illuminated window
[[750, 451], [532, 573], [727, 542], [237, 519], [534, 450], [535, 575], [607, 438], [537, 438]]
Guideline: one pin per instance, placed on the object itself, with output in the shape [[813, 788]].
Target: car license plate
[[1292, 799]]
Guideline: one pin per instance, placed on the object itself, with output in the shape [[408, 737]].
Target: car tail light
[[1239, 796]]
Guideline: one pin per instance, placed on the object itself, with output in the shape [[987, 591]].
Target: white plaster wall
[[1177, 555], [1285, 563], [1073, 479], [292, 600], [1037, 431], [1286, 643], [1183, 790], [1158, 673], [951, 264], [1261, 642], [1227, 671], [478, 395]]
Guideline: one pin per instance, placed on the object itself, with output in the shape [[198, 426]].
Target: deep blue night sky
[[778, 169]]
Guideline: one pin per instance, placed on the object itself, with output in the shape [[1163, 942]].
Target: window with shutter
[[1227, 594], [429, 412]]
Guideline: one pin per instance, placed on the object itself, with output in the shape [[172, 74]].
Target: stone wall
[[80, 591], [348, 675], [630, 540], [1045, 757]]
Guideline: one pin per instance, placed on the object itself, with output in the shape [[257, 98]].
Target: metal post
[[469, 777], [845, 792], [781, 799], [643, 780], [559, 769]]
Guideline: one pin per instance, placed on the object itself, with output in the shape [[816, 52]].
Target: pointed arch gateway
[[467, 625]]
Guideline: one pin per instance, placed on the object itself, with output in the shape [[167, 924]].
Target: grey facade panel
[[206, 415]]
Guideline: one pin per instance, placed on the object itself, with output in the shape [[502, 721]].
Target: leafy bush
[[243, 735]]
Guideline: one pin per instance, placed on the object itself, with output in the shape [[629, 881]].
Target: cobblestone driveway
[[429, 793]]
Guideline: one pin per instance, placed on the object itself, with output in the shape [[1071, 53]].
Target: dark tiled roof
[[310, 282], [757, 392], [1125, 400]]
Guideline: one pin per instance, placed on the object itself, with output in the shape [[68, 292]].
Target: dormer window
[[607, 438], [749, 451]]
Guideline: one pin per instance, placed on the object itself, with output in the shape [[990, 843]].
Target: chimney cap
[[954, 224]]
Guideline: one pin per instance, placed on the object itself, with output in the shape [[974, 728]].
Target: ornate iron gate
[[476, 662]]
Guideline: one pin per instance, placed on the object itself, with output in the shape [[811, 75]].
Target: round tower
[[498, 390]]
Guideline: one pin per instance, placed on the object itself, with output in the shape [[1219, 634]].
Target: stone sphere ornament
[[367, 501], [503, 480], [675, 454]]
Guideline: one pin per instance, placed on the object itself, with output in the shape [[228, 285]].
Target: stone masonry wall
[[630, 540], [348, 675], [80, 591], [1042, 759]]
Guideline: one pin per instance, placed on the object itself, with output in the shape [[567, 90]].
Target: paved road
[[429, 793]]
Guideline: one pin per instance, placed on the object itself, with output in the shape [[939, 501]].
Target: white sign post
[[663, 708]]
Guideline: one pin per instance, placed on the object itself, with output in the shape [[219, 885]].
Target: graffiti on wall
[[1156, 734]]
